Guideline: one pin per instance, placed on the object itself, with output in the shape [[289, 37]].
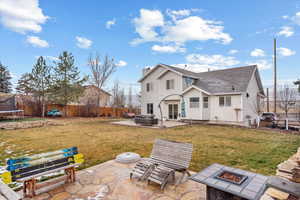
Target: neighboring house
[[231, 95], [7, 102], [91, 97]]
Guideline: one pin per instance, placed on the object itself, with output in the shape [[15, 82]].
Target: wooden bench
[[170, 154], [174, 155], [162, 175], [142, 169], [28, 169]]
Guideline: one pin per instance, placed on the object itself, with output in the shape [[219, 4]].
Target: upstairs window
[[194, 102], [187, 81], [170, 84], [225, 101], [150, 108], [148, 87]]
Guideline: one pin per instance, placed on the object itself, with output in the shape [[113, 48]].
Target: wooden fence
[[77, 110]]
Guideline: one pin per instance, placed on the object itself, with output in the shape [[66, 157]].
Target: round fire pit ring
[[128, 157]]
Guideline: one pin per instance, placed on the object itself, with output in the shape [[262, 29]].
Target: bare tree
[[298, 84], [257, 105], [130, 105], [101, 71], [118, 95], [287, 96]]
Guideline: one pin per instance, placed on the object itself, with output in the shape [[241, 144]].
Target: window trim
[[150, 88], [205, 102], [170, 84], [194, 104], [150, 108], [226, 102]]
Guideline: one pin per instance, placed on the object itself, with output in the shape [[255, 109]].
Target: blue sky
[[137, 33]]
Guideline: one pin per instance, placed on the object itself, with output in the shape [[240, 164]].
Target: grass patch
[[254, 150]]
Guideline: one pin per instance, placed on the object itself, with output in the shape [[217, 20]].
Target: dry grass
[[99, 141]]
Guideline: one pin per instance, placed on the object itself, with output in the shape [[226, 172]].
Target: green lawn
[[99, 141]]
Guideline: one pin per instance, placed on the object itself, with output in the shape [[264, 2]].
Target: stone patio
[[110, 181], [167, 124]]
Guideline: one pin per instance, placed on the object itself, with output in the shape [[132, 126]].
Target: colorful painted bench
[[27, 169]]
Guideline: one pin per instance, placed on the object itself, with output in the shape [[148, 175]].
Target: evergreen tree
[[66, 81], [24, 85], [5, 78], [36, 83], [40, 79]]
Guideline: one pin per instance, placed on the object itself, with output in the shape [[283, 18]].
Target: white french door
[[173, 111]]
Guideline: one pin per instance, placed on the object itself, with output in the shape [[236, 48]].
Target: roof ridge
[[232, 68], [178, 68]]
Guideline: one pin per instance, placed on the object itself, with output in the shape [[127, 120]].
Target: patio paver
[[110, 181]]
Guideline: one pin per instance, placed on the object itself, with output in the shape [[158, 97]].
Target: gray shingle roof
[[223, 81], [182, 71], [227, 80]]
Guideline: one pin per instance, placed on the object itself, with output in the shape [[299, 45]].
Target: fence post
[[286, 124]]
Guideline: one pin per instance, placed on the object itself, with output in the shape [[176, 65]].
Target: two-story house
[[231, 95]]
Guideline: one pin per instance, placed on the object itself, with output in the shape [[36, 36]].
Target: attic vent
[[233, 88]]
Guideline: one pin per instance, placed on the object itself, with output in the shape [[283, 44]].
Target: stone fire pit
[[230, 183]]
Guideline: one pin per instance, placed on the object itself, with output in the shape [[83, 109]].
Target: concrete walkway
[[167, 124], [110, 181]]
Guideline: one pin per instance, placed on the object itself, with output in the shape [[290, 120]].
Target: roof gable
[[179, 71], [96, 88]]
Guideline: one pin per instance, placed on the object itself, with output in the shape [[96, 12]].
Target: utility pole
[[275, 78], [268, 101]]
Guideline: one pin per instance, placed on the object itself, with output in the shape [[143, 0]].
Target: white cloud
[[152, 27], [202, 62], [296, 18], [261, 64], [174, 14], [37, 42], [195, 28], [145, 25], [121, 63], [83, 43], [168, 49], [52, 58], [22, 16], [194, 67], [233, 51], [257, 53], [286, 31], [215, 60], [285, 51], [110, 23], [285, 17]]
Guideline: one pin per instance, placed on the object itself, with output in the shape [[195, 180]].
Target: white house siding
[[193, 113], [159, 90], [249, 103], [225, 113]]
